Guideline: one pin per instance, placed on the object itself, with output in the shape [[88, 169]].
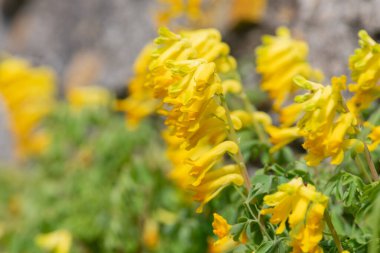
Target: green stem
[[261, 226], [371, 165], [360, 166], [251, 110], [333, 231], [233, 137]]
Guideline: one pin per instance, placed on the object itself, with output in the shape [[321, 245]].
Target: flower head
[[365, 71], [326, 124], [303, 208], [279, 59], [184, 75]]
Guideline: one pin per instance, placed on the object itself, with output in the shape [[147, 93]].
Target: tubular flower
[[326, 124], [221, 229], [57, 242], [140, 102], [365, 71], [184, 75], [28, 95], [279, 59], [303, 207], [280, 137], [247, 119]]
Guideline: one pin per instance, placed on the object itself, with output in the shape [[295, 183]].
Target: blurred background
[[97, 41]]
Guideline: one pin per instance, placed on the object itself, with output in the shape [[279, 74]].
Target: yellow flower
[[184, 75], [279, 59], [171, 10], [223, 246], [214, 182], [306, 235], [365, 71], [28, 95], [374, 136], [57, 242], [247, 10], [280, 137], [80, 97], [220, 226], [140, 102], [247, 119], [221, 229], [326, 124], [303, 207], [150, 234], [284, 203]]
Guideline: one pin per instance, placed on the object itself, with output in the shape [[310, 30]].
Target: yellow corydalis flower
[[56, 242], [247, 10], [374, 136], [173, 9], [365, 71], [279, 59], [28, 95], [80, 97], [303, 208], [184, 75], [140, 102], [326, 124], [220, 226], [151, 234]]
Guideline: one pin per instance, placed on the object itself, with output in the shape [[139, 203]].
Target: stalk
[[251, 109], [371, 165], [360, 166], [233, 137], [333, 231]]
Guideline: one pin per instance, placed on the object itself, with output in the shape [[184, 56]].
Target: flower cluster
[[326, 124], [28, 94], [279, 59], [183, 74], [303, 207], [365, 72]]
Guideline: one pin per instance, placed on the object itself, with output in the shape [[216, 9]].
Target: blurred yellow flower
[[247, 10], [303, 207], [221, 229], [150, 234], [365, 71], [140, 102], [374, 136], [80, 97], [28, 94], [170, 10], [56, 242], [279, 59]]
